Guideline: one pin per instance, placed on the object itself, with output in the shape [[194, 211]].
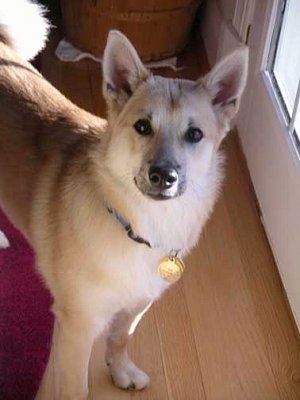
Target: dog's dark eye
[[143, 127], [193, 135]]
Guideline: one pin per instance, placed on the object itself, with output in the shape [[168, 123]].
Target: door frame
[[272, 159]]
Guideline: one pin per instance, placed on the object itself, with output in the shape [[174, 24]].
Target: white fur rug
[[4, 243]]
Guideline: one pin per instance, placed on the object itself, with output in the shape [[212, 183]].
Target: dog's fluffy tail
[[23, 26]]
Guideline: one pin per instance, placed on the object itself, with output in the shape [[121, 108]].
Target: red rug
[[25, 320]]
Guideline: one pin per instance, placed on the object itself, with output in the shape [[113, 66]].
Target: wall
[[224, 25]]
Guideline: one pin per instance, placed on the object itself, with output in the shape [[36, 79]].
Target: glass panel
[[286, 68]]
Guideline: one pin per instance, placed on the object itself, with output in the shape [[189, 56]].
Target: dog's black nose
[[162, 177]]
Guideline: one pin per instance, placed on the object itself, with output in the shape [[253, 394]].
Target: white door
[[269, 128]]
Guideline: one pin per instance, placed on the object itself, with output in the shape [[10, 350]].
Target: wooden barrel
[[157, 28]]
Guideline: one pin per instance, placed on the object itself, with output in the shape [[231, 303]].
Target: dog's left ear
[[225, 84], [123, 70]]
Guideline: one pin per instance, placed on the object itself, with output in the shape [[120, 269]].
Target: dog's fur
[[60, 167]]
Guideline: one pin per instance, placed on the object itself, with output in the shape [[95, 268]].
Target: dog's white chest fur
[[128, 270]]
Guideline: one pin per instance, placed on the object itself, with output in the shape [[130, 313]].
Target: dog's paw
[[129, 377]]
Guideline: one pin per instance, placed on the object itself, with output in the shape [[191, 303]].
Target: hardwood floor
[[225, 331]]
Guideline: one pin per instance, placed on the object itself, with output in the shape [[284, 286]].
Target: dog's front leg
[[125, 373], [66, 376]]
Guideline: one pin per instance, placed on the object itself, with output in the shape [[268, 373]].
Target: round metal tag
[[171, 269]]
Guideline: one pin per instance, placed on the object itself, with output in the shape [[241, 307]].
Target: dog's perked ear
[[123, 70], [226, 82]]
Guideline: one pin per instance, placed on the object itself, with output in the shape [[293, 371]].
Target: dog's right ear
[[123, 70]]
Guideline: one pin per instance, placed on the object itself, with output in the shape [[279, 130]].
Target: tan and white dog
[[102, 203]]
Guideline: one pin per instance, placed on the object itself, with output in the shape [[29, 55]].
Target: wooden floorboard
[[177, 342], [225, 331]]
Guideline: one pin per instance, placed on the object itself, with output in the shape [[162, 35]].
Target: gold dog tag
[[171, 269]]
